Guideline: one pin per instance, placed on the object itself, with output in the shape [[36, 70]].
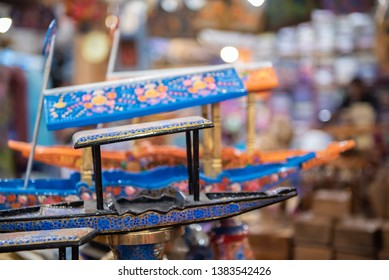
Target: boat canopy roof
[[91, 104]]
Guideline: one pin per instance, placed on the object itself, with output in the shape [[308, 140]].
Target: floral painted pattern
[[126, 99], [11, 200]]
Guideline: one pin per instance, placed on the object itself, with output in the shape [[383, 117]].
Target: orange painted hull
[[64, 156]]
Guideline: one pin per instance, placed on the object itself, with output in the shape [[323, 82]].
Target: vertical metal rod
[[189, 161], [196, 166], [62, 253], [75, 252], [98, 180], [113, 54], [46, 74]]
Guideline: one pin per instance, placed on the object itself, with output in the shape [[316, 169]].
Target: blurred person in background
[[359, 105]]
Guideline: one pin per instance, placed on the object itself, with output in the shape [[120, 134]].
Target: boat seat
[[103, 136], [190, 125], [47, 239]]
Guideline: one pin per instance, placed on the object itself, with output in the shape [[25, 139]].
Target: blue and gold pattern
[[113, 223], [118, 100], [130, 132], [139, 252], [46, 238]]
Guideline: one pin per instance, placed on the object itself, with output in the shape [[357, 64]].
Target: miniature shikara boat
[[162, 155], [150, 209], [142, 213], [121, 183]]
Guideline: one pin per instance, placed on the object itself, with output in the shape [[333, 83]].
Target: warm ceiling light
[[256, 3], [170, 6], [195, 5], [5, 24], [111, 21], [229, 54]]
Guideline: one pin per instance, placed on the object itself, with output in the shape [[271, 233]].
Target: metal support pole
[[62, 253], [196, 166], [98, 180], [189, 161], [46, 75], [75, 253]]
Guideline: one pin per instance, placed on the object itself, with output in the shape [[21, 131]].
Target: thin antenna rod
[[113, 54], [46, 74]]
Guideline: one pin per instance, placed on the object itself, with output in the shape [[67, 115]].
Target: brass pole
[[207, 144], [217, 140], [86, 166], [250, 122]]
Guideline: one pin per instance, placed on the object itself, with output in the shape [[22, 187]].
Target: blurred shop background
[[332, 61]]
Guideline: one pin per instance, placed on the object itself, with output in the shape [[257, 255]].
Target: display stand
[[142, 245]]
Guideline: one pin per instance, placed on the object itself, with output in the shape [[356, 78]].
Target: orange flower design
[[162, 88], [209, 80], [192, 90], [11, 198], [111, 95], [99, 100], [15, 205], [88, 105], [199, 85], [142, 98], [151, 93], [116, 191]]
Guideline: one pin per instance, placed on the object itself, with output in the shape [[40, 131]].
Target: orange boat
[[147, 156]]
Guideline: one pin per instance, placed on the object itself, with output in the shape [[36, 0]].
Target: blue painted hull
[[211, 207], [121, 183]]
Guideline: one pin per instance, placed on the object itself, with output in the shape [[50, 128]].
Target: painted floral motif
[[121, 101], [151, 93], [45, 237], [99, 102], [199, 85], [16, 201]]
